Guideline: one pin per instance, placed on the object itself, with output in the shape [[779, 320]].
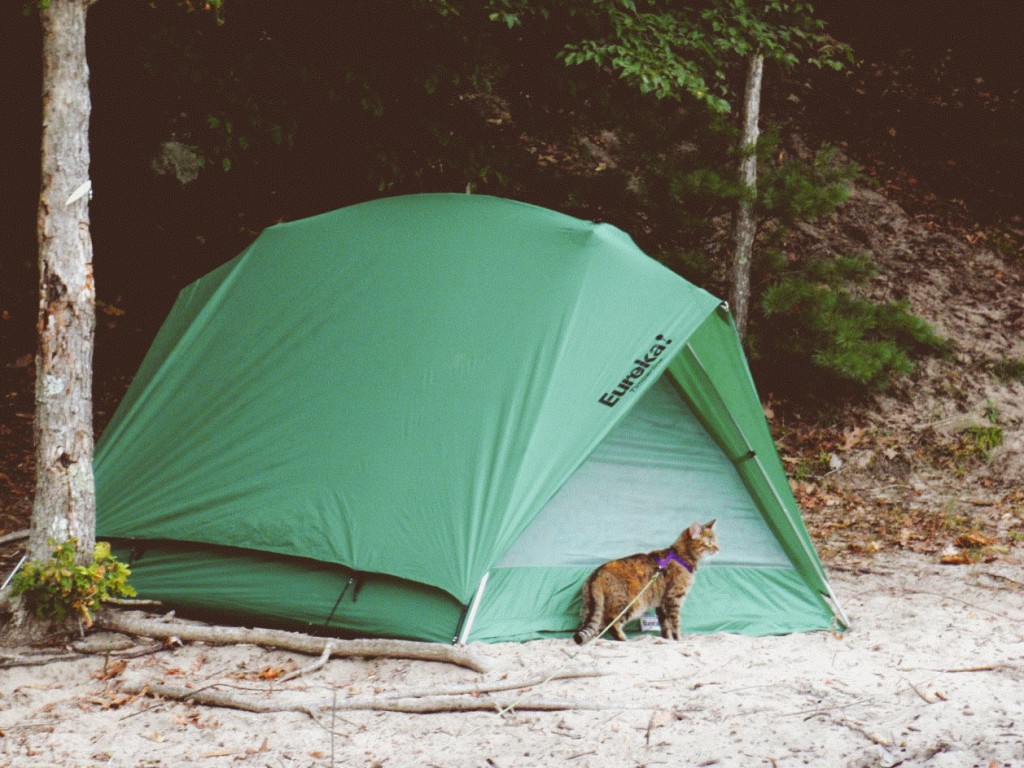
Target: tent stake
[[467, 625]]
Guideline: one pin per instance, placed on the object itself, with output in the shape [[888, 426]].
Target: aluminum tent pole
[[835, 605], [474, 605]]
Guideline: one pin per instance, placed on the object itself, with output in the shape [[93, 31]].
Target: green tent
[[431, 417]]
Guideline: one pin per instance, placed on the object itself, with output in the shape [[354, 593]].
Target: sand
[[932, 673]]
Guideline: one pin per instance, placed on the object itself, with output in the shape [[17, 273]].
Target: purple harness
[[662, 562]]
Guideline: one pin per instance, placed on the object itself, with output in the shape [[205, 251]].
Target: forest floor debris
[[932, 673]]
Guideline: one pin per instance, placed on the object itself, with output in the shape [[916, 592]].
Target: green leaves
[[810, 314], [652, 51], [682, 52], [57, 588]]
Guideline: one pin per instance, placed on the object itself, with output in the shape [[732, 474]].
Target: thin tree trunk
[[744, 225], [65, 504]]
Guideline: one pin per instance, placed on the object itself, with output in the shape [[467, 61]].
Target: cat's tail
[[593, 600]]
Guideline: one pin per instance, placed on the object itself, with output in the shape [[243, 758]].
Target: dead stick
[[916, 690], [500, 685], [316, 665], [209, 697], [15, 536], [1003, 578], [985, 668], [813, 712], [965, 602], [141, 626], [17, 660]]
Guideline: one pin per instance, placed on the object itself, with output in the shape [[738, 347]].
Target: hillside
[[938, 458]]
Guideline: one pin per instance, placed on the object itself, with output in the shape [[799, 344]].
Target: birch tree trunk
[[744, 225], [65, 505]]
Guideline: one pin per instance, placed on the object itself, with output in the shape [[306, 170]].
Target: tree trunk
[[65, 505], [744, 225]]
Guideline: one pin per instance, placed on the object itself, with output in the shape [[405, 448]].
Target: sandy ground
[[931, 674]]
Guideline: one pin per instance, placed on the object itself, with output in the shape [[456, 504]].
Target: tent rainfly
[[431, 417]]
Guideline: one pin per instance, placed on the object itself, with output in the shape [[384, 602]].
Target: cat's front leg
[[668, 614], [663, 622]]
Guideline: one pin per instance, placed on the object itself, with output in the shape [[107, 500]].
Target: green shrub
[[811, 321], [58, 587]]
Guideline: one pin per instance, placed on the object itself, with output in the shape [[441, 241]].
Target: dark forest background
[[294, 108]]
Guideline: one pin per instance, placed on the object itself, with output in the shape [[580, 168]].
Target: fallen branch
[[297, 642], [427, 705], [132, 602], [79, 652], [103, 643], [8, 660], [211, 698], [14, 536]]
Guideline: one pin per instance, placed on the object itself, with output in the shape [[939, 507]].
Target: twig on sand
[[917, 690], [959, 670], [964, 602], [315, 666], [811, 713], [499, 685], [80, 650]]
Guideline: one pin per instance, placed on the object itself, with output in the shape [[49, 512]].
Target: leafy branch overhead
[[691, 51]]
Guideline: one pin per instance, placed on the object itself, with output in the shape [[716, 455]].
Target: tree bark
[[744, 225], [65, 504]]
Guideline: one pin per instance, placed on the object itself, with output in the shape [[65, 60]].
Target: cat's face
[[703, 539]]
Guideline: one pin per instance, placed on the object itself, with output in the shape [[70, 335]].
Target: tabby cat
[[612, 586]]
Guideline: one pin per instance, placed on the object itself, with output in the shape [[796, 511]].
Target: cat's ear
[[695, 530], [711, 524]]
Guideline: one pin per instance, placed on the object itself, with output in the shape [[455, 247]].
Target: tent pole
[[835, 605], [837, 608], [736, 425], [467, 625]]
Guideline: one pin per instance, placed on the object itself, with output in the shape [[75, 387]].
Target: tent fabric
[[657, 470], [404, 391]]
